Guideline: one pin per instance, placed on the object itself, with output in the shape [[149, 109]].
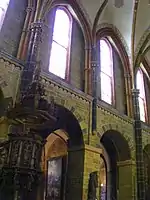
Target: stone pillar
[[91, 164], [95, 66], [29, 12], [139, 148], [126, 180], [128, 94], [4, 126], [75, 170], [32, 53], [87, 72]]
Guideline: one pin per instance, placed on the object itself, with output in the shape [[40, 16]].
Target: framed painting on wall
[[54, 179]]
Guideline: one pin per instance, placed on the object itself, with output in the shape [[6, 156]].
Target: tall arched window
[[106, 71], [142, 99], [60, 49], [3, 8]]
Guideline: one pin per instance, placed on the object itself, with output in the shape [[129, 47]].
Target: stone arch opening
[[115, 152], [64, 145], [67, 121], [54, 165]]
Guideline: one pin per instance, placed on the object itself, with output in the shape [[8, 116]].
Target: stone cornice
[[11, 60]]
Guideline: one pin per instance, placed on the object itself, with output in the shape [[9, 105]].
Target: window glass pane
[[140, 83], [58, 60], [2, 13], [106, 88], [142, 109], [4, 4], [61, 28], [105, 57], [142, 100], [3, 9]]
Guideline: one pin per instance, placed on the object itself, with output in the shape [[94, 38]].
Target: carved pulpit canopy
[[33, 109]]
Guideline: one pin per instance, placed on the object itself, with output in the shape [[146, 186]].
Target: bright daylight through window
[[60, 44]]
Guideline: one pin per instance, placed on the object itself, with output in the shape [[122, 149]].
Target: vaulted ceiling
[[132, 20]]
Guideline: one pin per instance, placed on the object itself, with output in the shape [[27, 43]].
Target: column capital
[[94, 64], [29, 9], [37, 25], [135, 92]]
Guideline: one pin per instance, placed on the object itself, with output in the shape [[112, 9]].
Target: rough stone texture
[[126, 180], [12, 27], [9, 77], [91, 164], [77, 57], [74, 184], [119, 84], [80, 105]]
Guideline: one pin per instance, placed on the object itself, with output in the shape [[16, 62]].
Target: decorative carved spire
[[34, 92]]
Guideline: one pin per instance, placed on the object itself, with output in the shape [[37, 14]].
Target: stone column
[[126, 180], [128, 94], [87, 71], [29, 12], [91, 164], [139, 148], [32, 53], [95, 66], [75, 170]]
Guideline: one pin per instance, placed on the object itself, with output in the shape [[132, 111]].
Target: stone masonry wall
[[12, 27], [91, 164]]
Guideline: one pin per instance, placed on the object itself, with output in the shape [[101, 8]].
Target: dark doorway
[[118, 150]]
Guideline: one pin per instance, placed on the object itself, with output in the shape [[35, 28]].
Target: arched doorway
[[55, 165], [115, 151], [64, 140]]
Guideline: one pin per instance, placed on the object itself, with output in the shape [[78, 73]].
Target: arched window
[[3, 8], [60, 49], [106, 71], [142, 99]]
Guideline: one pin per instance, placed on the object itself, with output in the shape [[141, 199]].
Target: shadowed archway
[[65, 120], [68, 131], [117, 150]]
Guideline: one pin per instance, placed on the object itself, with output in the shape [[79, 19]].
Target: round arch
[[116, 39], [116, 143], [66, 121], [78, 12], [118, 151], [65, 134], [111, 32]]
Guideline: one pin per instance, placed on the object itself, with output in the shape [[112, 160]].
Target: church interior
[[74, 100]]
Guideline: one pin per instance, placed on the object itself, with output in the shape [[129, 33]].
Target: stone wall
[[91, 164], [13, 26], [80, 105], [9, 76]]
